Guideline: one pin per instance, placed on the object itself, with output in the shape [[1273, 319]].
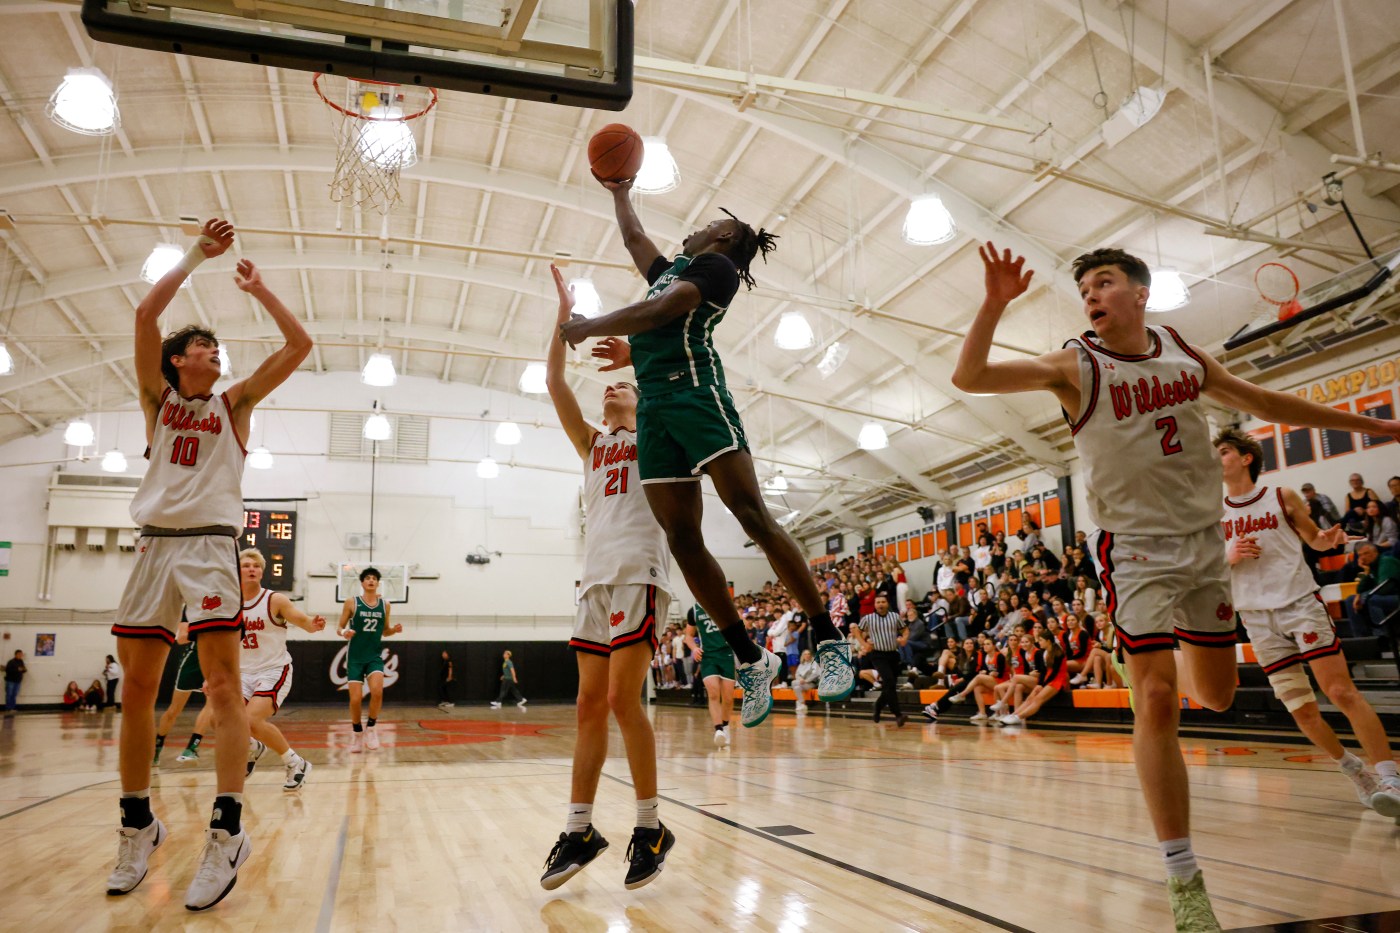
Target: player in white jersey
[[267, 664], [190, 509], [1133, 398], [626, 589], [1276, 596]]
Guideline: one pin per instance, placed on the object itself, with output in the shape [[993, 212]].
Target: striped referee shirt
[[882, 631]]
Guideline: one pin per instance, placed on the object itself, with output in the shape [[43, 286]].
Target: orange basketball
[[615, 152]]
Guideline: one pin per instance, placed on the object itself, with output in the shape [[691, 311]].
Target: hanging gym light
[[872, 437], [508, 433], [1168, 291], [386, 141], [487, 468], [379, 371], [377, 427], [928, 222], [78, 433], [7, 362], [114, 461], [85, 103], [778, 483], [260, 458], [833, 358], [162, 259], [659, 173], [794, 333], [533, 379], [587, 301]]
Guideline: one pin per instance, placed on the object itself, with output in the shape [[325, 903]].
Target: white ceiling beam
[[1369, 76], [1233, 32]]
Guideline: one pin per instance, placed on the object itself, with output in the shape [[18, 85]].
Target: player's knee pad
[[1292, 687]]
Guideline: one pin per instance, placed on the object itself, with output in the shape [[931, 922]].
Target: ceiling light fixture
[[659, 173], [162, 259], [1168, 291], [377, 427], [533, 379], [488, 468], [78, 433], [833, 358], [872, 437], [794, 333], [508, 433], [7, 362], [386, 141], [379, 371], [1136, 110], [85, 103], [260, 458], [114, 461], [587, 301], [778, 483], [928, 222]]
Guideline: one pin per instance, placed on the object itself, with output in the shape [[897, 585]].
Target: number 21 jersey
[[1141, 432], [196, 473], [623, 542]]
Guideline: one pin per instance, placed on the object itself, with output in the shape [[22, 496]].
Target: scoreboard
[[274, 533]]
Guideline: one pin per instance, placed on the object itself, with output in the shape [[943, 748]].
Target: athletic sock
[[357, 727], [195, 739], [649, 813], [160, 742], [136, 808], [1349, 764], [726, 724], [289, 756], [578, 817], [369, 723], [1180, 860], [822, 629], [228, 813], [1386, 770], [719, 726], [744, 649]]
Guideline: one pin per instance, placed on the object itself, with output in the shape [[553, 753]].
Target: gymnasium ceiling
[[255, 145]]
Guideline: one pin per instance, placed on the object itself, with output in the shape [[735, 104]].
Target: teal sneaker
[[756, 679], [838, 677]]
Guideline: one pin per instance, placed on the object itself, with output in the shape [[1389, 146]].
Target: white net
[[375, 140]]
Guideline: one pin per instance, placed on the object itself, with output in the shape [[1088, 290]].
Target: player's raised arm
[[1006, 282], [615, 350], [282, 363], [566, 406], [216, 237], [1300, 517], [680, 298], [280, 607], [644, 252]]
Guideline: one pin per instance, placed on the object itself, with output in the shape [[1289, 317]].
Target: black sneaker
[[569, 855], [646, 855]]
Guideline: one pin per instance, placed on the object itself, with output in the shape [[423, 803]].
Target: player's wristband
[[194, 255]]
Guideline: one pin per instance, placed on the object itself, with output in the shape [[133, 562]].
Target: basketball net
[[1278, 291], [374, 136]]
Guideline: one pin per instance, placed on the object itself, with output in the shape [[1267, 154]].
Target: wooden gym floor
[[804, 824]]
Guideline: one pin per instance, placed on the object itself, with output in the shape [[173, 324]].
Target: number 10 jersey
[[196, 474]]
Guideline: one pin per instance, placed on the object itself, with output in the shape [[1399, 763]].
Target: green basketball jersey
[[681, 353], [368, 625], [711, 638]]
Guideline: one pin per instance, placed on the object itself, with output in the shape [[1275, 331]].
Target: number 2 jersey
[[624, 544], [196, 474], [1141, 432], [264, 636]]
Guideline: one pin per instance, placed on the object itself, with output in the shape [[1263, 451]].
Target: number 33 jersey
[[622, 541], [264, 636], [1141, 432], [196, 473]]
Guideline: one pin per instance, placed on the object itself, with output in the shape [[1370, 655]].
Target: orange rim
[[1276, 301], [432, 100]]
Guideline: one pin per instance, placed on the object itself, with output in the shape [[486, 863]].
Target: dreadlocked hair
[[747, 245]]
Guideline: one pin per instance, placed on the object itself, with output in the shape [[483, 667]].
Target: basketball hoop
[[1278, 286], [374, 137]]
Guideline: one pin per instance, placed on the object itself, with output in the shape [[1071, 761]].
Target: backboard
[[572, 52], [393, 580]]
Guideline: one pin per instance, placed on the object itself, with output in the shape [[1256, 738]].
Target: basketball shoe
[[1191, 906], [371, 739], [838, 677], [218, 868], [1386, 799], [133, 852], [1365, 783], [646, 855], [255, 751], [570, 854], [722, 737], [357, 744], [297, 773], [756, 679], [188, 755]]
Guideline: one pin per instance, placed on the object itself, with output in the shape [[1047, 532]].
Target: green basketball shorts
[[678, 433]]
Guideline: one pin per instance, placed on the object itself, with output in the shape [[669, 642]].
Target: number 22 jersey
[[1141, 431]]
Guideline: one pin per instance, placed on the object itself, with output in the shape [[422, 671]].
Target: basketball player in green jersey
[[687, 425], [716, 668], [188, 679], [364, 620]]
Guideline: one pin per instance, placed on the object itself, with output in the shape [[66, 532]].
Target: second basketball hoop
[[375, 142]]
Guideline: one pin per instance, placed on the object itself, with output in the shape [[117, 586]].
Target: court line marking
[[323, 921], [40, 803], [847, 866]]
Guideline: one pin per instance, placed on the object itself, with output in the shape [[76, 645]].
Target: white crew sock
[[1179, 859], [1349, 764], [579, 816], [649, 813], [289, 756]]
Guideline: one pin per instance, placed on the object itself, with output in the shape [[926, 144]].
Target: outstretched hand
[[318, 623], [247, 277], [624, 185], [566, 293], [215, 238], [1336, 536], [615, 350], [1004, 279]]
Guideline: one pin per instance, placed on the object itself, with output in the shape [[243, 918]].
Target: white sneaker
[[495, 705], [838, 676], [297, 773], [721, 738], [1366, 785], [1078, 680], [218, 868], [756, 679], [522, 702], [133, 851], [957, 698], [979, 717], [188, 755], [1386, 800], [1011, 719], [255, 751], [442, 706], [931, 711], [371, 739], [357, 745], [999, 707], [801, 707]]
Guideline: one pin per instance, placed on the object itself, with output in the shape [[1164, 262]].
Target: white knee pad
[[1292, 687]]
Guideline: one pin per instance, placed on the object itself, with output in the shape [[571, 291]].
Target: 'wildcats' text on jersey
[[1279, 575], [624, 544], [1147, 398], [196, 474], [620, 451]]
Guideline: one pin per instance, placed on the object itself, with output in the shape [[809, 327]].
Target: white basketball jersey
[[196, 474], [1279, 575], [1141, 432], [624, 543], [264, 637]]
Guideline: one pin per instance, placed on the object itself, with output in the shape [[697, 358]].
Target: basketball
[[615, 152]]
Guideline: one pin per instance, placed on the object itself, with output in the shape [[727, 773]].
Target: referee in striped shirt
[[882, 634]]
